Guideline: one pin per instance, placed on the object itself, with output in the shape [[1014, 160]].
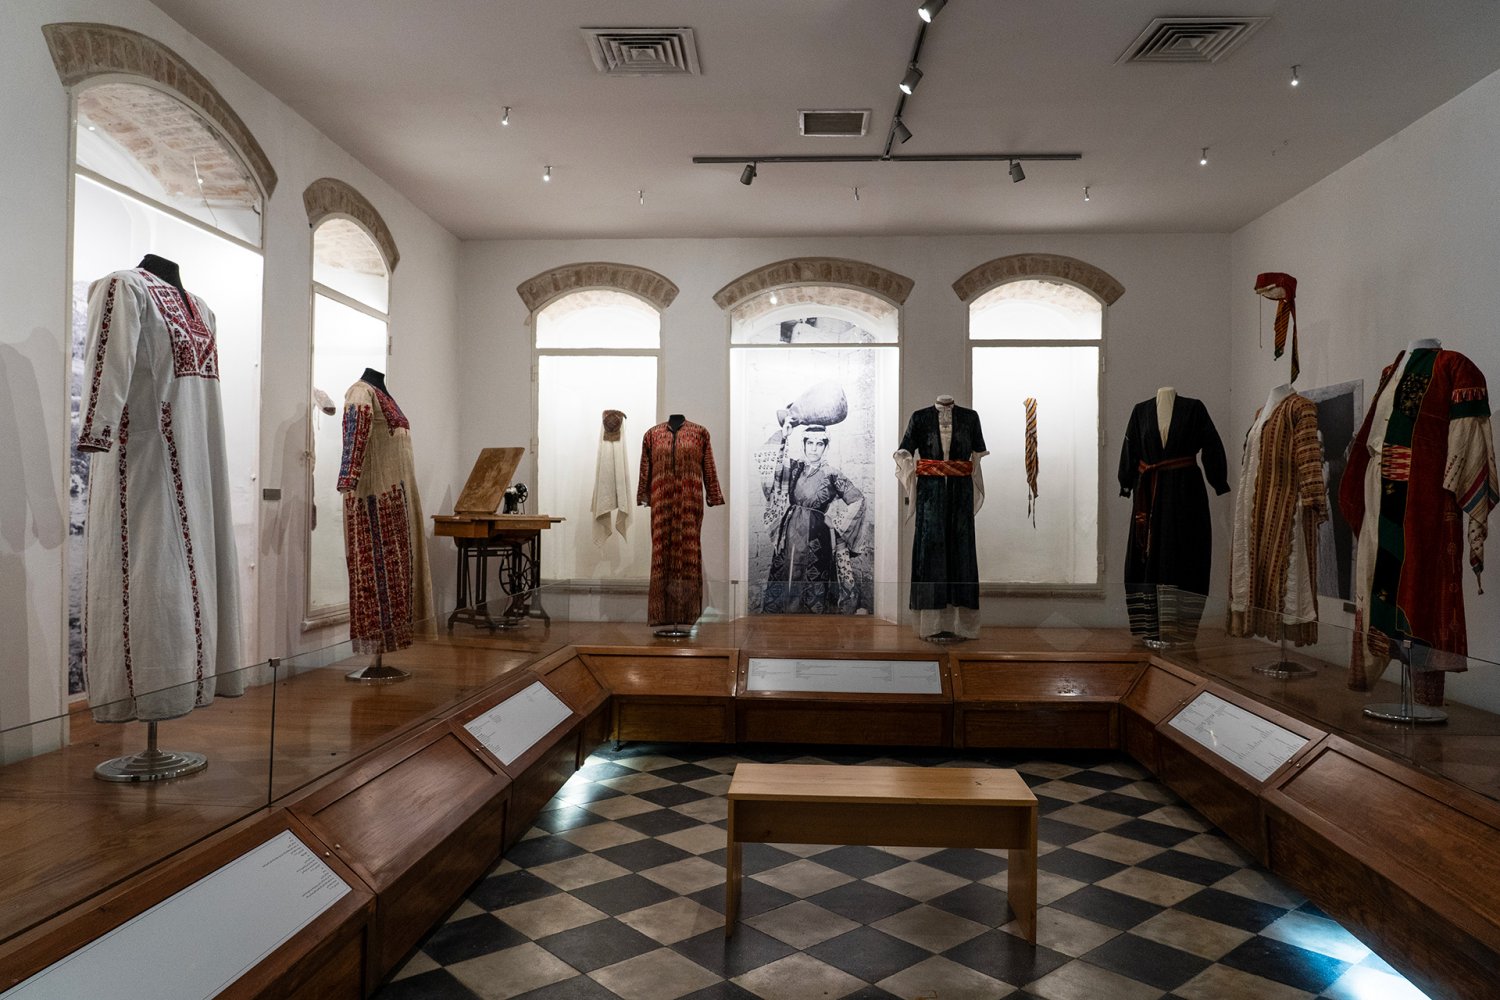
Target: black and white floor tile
[[617, 893]]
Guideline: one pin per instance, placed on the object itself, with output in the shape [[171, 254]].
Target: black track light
[[901, 132], [930, 8], [747, 176], [1017, 175], [911, 79]]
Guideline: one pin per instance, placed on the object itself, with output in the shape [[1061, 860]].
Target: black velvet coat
[[944, 565]]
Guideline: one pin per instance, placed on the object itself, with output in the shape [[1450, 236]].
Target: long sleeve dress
[[162, 612], [941, 466], [1170, 552], [1282, 502], [804, 576], [677, 472], [1423, 458], [385, 539]]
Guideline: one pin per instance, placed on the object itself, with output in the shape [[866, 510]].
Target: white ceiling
[[415, 90]]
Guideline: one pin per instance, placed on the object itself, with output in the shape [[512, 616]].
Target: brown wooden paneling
[[1039, 725], [594, 731], [691, 720], [1231, 806], [1138, 738], [340, 977], [683, 675], [871, 723], [535, 784], [567, 677], [980, 680], [1159, 691]]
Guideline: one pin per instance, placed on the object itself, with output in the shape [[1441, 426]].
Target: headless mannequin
[[1166, 399], [377, 379], [1279, 393], [167, 271], [675, 630], [675, 422]]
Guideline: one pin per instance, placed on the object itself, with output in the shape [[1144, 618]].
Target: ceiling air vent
[[833, 124], [643, 51], [1190, 39]]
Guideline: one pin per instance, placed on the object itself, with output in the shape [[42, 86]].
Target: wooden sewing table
[[515, 541]]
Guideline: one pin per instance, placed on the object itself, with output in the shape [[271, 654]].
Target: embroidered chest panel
[[393, 415], [194, 351]]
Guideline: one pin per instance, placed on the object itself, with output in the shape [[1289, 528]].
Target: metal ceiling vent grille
[[643, 51], [1190, 39], [833, 124]]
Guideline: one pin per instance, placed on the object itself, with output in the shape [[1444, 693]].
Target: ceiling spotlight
[[901, 132], [930, 8], [1085, 192], [642, 196], [747, 176], [911, 79], [1295, 81], [773, 298], [505, 118], [1017, 175], [1203, 160], [547, 174]]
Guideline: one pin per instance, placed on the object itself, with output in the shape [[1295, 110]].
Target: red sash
[[943, 467]]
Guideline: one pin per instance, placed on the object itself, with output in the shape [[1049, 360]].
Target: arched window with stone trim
[[162, 165], [597, 332], [814, 396], [1036, 336], [352, 259]]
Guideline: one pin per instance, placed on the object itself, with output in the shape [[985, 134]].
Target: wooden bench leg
[[1020, 882], [732, 872]]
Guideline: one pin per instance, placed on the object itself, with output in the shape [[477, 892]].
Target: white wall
[[1403, 242], [34, 343], [1169, 328]]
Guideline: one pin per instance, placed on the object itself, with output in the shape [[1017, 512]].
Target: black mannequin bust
[[166, 270], [377, 379], [675, 422]]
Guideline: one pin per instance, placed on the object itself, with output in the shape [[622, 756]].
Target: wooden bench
[[885, 806]]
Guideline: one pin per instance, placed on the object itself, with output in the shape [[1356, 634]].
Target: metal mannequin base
[[151, 764]]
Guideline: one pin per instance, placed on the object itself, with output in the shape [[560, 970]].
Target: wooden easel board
[[488, 480]]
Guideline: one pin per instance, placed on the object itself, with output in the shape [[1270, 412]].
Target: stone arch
[[328, 196], [540, 289], [886, 284], [84, 51], [1039, 265]]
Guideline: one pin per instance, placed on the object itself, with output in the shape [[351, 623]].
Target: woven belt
[[944, 467], [1145, 499]]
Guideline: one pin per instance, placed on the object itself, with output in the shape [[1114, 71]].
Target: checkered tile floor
[[618, 892]]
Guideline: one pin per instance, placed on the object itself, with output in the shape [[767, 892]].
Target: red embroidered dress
[[162, 611], [1424, 458], [677, 468], [385, 542]]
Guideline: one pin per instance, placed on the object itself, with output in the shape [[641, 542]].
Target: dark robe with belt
[[1169, 555], [944, 564]]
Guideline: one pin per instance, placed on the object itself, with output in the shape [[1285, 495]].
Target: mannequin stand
[[945, 638], [152, 763], [1406, 710], [673, 631], [1161, 643], [1284, 670], [378, 673]]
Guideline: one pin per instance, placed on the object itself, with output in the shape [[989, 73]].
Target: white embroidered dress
[[162, 613]]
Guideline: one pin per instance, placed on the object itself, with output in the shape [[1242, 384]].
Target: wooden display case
[[1007, 700], [419, 822], [683, 694], [566, 676], [1160, 690]]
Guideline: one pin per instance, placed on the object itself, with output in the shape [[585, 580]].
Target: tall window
[[1038, 339], [596, 350], [351, 332], [152, 176], [814, 372]]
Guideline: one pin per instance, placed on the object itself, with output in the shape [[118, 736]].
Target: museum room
[[790, 500]]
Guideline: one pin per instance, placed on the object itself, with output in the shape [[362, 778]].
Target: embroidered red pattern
[[378, 551], [187, 540], [86, 436], [125, 553], [393, 415], [1470, 394], [1395, 463], [194, 351]]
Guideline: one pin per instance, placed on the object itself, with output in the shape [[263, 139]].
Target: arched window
[[596, 349], [351, 332], [151, 174], [1035, 347], [814, 374]]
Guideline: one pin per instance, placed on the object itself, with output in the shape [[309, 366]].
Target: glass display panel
[[600, 318], [345, 343], [572, 393], [818, 545], [1035, 309], [152, 143], [1062, 547], [112, 232], [346, 260]]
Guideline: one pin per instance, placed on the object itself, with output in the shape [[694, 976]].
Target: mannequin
[[377, 379], [1166, 399], [1278, 393], [677, 475], [167, 271], [675, 422]]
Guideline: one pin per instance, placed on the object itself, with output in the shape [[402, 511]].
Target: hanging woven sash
[[943, 467], [1031, 460]]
